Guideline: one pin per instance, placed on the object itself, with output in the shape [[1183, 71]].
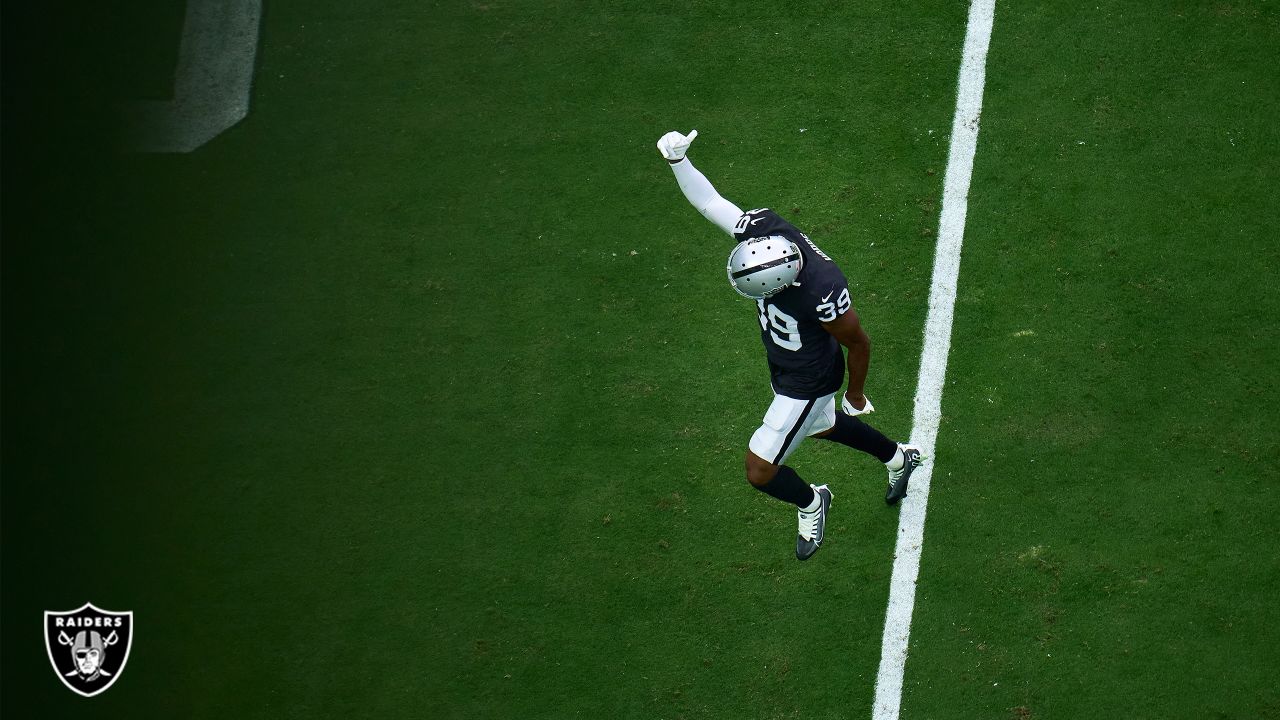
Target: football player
[[807, 321]]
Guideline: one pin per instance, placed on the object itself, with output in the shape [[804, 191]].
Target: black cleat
[[809, 538], [897, 489]]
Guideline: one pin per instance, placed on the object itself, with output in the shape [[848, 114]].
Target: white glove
[[850, 410], [673, 145]]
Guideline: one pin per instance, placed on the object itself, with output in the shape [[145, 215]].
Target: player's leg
[[786, 424], [777, 437], [850, 431], [899, 459], [779, 481]]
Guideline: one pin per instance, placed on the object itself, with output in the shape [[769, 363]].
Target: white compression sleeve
[[697, 188]]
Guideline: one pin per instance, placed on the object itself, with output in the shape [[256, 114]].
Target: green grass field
[[421, 393]]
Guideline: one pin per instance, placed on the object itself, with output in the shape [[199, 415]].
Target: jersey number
[[747, 220], [783, 328], [828, 312]]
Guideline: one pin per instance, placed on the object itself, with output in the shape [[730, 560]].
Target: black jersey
[[805, 361]]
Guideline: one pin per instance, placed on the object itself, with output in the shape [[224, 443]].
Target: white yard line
[[211, 84], [933, 360]]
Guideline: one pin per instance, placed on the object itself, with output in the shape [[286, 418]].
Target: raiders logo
[[88, 646]]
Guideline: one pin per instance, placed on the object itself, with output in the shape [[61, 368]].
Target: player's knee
[[759, 472]]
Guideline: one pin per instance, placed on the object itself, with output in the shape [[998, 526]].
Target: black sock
[[788, 487], [858, 435]]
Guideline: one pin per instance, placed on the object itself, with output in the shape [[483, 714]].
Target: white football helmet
[[764, 266]]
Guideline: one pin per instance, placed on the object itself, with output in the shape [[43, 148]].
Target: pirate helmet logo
[[88, 646]]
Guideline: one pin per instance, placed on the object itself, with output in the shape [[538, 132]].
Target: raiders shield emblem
[[88, 646]]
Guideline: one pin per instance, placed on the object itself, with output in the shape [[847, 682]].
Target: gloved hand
[[850, 410], [673, 145]]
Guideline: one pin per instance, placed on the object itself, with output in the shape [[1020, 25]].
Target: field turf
[[421, 393]]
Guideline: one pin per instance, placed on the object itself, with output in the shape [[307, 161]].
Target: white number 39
[[827, 312]]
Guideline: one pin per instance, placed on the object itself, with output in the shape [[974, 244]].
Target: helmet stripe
[[765, 266]]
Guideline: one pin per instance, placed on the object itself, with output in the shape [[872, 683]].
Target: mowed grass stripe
[[403, 293], [1112, 480]]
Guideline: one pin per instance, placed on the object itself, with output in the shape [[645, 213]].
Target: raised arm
[[695, 185]]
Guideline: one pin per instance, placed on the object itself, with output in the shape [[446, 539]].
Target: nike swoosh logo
[[757, 221], [828, 297]]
